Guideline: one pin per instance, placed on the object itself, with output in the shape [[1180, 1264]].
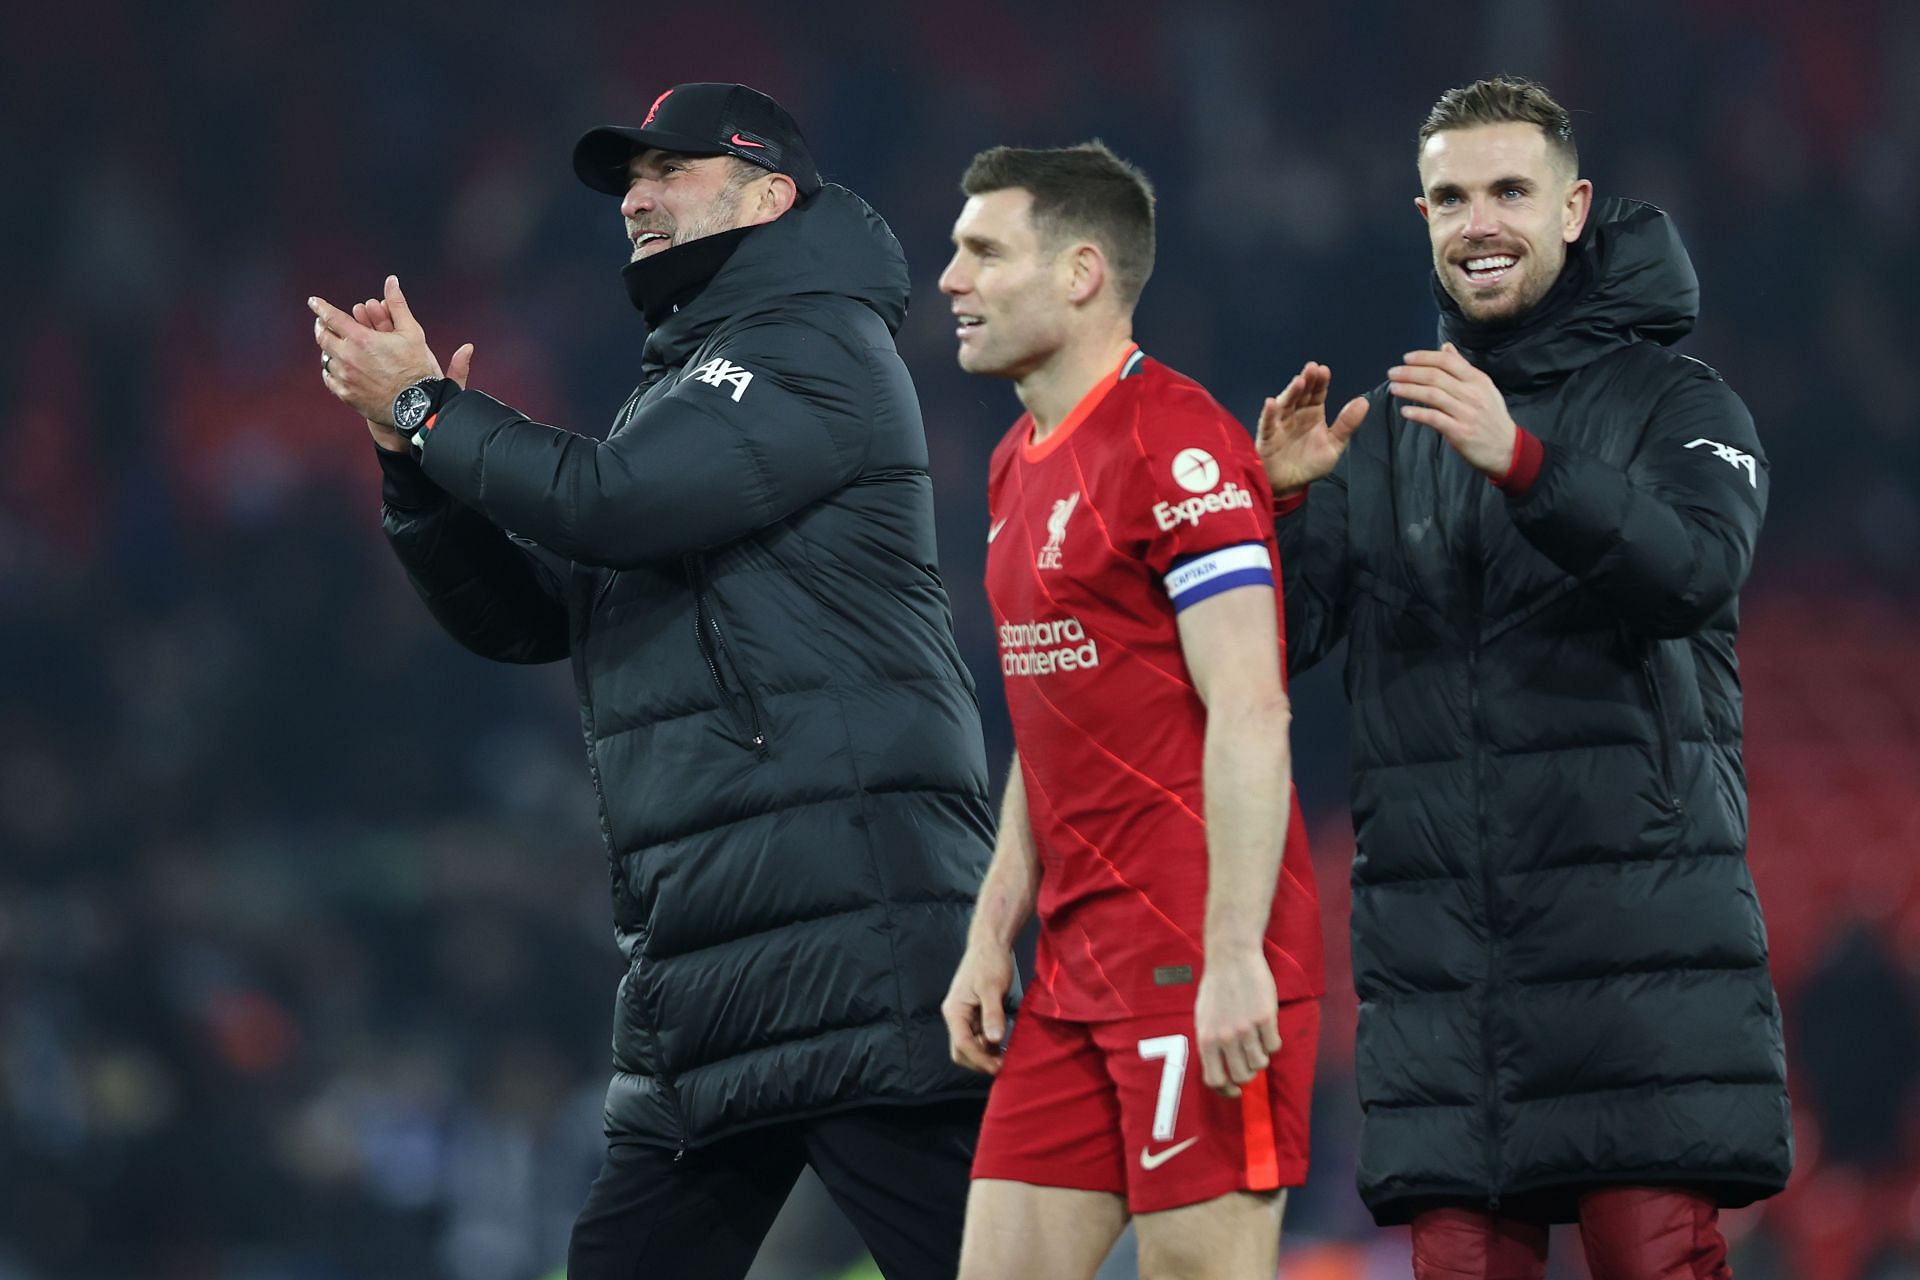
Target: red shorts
[[1121, 1107]]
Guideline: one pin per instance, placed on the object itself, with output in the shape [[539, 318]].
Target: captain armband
[[1197, 578]]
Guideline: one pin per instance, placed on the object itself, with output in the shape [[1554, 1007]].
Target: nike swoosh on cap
[[739, 141], [1151, 1160]]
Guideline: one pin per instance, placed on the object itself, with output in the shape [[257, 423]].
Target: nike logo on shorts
[[1151, 1160], [995, 531]]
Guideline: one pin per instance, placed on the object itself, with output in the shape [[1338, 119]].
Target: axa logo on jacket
[[1738, 459], [723, 373]]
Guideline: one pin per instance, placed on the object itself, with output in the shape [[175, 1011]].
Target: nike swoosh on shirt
[[739, 141], [995, 531], [1151, 1160]]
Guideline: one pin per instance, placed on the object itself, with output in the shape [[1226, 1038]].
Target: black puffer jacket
[[785, 742], [1559, 954]]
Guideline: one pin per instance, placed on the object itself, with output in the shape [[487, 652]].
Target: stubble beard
[[721, 215], [1510, 304]]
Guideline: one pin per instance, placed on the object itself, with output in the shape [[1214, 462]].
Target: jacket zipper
[[759, 735], [622, 894], [667, 1086], [1668, 794], [1493, 938], [620, 889], [1487, 890], [590, 730], [705, 620]]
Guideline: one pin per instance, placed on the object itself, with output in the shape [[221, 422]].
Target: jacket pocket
[[1657, 703], [723, 665]]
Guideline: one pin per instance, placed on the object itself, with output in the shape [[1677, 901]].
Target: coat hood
[[831, 243], [1627, 279]]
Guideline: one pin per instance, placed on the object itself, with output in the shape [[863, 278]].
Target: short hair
[[1079, 191], [1505, 100], [740, 173]]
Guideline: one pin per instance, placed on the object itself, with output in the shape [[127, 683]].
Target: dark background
[[305, 958]]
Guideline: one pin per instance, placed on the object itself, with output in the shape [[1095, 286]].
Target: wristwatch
[[416, 405]]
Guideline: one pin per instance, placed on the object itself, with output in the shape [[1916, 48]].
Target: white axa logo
[[1049, 557], [1171, 515], [720, 373], [1043, 648], [1735, 458]]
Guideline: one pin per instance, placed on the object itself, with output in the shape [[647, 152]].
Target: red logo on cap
[[654, 110], [739, 141]]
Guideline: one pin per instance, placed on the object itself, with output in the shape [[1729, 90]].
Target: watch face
[[410, 408]]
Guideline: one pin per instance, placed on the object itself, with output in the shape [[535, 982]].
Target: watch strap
[[438, 390]]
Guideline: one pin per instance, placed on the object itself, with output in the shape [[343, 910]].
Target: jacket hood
[[1627, 279], [831, 243]]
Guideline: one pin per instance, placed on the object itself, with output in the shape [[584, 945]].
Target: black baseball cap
[[700, 120]]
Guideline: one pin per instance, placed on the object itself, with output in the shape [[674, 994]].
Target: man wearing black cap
[[784, 741]]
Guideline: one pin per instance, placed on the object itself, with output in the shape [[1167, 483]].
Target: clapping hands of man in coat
[[368, 356], [1439, 389], [1296, 442]]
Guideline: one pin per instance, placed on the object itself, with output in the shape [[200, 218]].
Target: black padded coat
[[1559, 954], [785, 743]]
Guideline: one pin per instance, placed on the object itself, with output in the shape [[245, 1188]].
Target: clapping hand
[[1441, 390], [367, 357], [1296, 442]]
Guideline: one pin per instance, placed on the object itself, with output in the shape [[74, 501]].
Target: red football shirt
[[1147, 498]]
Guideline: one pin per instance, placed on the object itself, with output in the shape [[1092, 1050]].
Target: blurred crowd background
[[305, 957]]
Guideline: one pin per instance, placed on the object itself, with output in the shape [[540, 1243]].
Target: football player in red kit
[[1163, 1059]]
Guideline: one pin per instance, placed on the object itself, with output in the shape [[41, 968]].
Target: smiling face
[[1501, 208], [1012, 292], [672, 199]]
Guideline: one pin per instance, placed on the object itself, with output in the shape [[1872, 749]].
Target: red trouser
[[1630, 1233]]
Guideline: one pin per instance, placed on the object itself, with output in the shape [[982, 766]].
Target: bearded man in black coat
[[783, 739], [1533, 539]]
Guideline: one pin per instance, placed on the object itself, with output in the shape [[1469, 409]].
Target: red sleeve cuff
[[1528, 454], [1288, 505]]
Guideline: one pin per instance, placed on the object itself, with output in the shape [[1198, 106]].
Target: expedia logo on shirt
[[1043, 648], [1229, 497]]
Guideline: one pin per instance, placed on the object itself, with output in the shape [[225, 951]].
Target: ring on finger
[[326, 360]]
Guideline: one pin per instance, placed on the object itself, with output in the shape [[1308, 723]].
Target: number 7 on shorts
[[1172, 1052]]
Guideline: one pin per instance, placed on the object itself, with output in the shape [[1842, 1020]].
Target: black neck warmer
[[662, 284]]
